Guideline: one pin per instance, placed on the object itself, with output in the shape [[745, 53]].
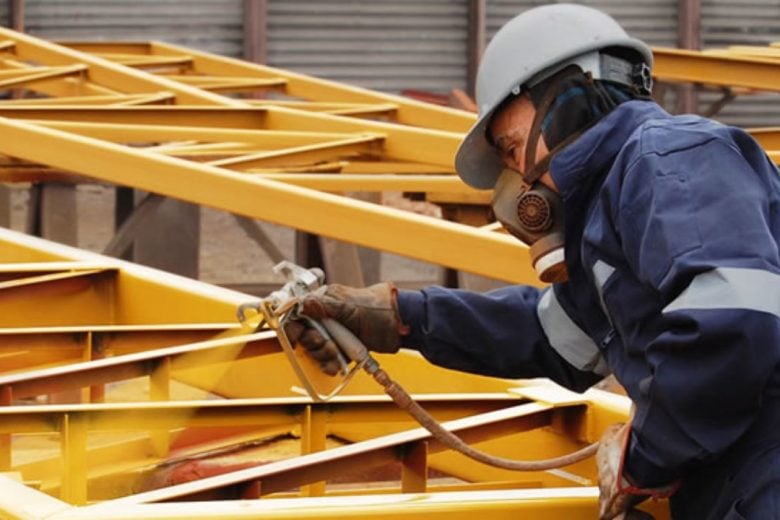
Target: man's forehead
[[503, 125]]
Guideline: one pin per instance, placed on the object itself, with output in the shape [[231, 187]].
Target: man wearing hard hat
[[659, 236]]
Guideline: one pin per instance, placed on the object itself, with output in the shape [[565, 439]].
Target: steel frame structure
[[120, 322], [154, 116]]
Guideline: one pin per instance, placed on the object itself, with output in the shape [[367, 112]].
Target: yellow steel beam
[[21, 502], [374, 182], [31, 348], [475, 416], [750, 51], [135, 296], [106, 73], [574, 504], [228, 84], [388, 166], [507, 504], [409, 111], [729, 71], [133, 60], [402, 143], [118, 368], [403, 233], [322, 465], [769, 138], [117, 48], [366, 146], [344, 109], [123, 132], [117, 99]]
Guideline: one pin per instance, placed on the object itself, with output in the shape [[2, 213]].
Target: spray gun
[[286, 303]]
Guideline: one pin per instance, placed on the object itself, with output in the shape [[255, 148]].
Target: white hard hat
[[529, 48]]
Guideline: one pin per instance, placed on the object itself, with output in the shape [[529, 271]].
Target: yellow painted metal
[[314, 431], [402, 143], [73, 435], [20, 502], [364, 146], [402, 232], [374, 182], [105, 73], [95, 471], [714, 69], [204, 65], [769, 138]]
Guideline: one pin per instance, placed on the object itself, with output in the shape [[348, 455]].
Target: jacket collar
[[586, 160]]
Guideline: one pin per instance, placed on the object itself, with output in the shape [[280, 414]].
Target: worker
[[658, 235]]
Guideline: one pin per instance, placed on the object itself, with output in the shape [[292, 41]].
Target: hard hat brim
[[476, 160]]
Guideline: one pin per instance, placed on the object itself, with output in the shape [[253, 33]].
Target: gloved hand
[[371, 313], [617, 496]]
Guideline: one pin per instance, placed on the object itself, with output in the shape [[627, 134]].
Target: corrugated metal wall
[[743, 22], [654, 21], [386, 45], [212, 25]]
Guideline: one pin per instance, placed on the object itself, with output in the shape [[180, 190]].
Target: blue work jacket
[[672, 227]]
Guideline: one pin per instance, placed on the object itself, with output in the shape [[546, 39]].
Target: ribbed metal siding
[[211, 25], [743, 22], [654, 21], [387, 45], [5, 15]]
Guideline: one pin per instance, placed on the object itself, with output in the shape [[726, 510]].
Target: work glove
[[370, 313], [617, 495]]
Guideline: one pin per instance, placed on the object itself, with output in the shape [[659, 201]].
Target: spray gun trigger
[[242, 314], [340, 358]]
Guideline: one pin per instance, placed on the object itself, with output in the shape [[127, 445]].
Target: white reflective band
[[545, 262], [567, 338], [601, 273], [731, 288]]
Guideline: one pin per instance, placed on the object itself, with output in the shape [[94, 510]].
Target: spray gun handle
[[349, 344], [326, 328]]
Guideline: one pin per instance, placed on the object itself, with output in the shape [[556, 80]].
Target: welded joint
[[571, 411]]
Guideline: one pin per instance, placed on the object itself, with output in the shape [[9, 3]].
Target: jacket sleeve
[[699, 225], [497, 333]]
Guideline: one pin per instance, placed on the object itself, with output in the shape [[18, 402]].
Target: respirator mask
[[533, 213]]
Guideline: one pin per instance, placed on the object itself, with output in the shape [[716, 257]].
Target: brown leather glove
[[371, 313], [617, 496]]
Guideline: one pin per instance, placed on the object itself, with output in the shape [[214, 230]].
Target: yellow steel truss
[[117, 322]]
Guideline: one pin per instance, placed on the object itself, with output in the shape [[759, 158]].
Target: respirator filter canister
[[533, 213]]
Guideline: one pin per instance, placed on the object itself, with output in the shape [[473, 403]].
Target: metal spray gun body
[[285, 304]]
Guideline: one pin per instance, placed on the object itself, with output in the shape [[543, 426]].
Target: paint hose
[[354, 349]]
